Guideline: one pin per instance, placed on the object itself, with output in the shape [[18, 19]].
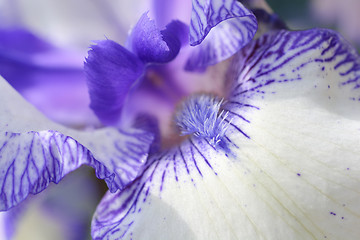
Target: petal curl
[[220, 28], [111, 71], [31, 156], [292, 168], [152, 45]]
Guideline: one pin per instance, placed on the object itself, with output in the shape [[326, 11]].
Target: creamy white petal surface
[[291, 166]]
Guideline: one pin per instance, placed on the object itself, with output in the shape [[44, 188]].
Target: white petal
[[292, 169]]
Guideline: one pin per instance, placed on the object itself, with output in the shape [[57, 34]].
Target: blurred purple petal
[[50, 78], [22, 42], [111, 72], [152, 45], [165, 11], [232, 27]]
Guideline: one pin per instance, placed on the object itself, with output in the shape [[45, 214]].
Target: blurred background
[[341, 15]]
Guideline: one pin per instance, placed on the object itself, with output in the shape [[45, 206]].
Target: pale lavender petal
[[165, 11], [32, 156], [152, 45], [220, 28], [74, 24]]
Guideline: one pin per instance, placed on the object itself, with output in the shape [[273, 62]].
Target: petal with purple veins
[[33, 156], [220, 28], [291, 170], [152, 45]]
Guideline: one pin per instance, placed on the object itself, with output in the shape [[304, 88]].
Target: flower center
[[172, 96], [201, 115]]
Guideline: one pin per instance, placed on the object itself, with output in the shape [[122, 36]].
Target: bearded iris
[[292, 171]]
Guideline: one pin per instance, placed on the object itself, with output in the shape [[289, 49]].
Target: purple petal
[[152, 45], [50, 78], [32, 157], [20, 41], [111, 72], [232, 27]]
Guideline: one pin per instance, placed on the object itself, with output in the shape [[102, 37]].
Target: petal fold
[[220, 29], [292, 169], [112, 71], [31, 156]]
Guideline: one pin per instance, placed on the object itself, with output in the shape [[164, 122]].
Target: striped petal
[[291, 166], [31, 156], [220, 28]]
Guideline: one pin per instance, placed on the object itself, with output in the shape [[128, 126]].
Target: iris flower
[[271, 152]]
